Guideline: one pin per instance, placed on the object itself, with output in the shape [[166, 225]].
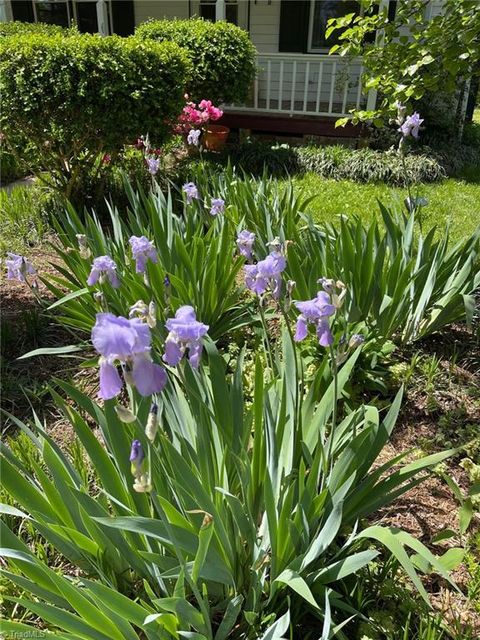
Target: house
[[299, 88]]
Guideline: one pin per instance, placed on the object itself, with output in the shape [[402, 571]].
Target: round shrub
[[74, 99], [222, 54]]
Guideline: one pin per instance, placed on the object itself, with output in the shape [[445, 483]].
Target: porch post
[[102, 18], [463, 101], [219, 10], [5, 11]]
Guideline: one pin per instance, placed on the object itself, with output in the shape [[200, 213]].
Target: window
[[303, 23], [86, 17], [321, 11], [207, 10], [231, 11], [53, 13], [121, 14]]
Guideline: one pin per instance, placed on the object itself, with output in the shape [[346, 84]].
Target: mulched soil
[[25, 327], [430, 507]]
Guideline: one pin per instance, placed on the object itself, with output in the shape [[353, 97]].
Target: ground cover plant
[[336, 162]]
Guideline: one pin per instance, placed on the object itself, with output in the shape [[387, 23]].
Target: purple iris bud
[[191, 191], [185, 332], [245, 240], [118, 339], [166, 281], [137, 454], [142, 250], [103, 268], [411, 126], [356, 340], [218, 206], [266, 274], [18, 267], [316, 312], [194, 137], [153, 165]]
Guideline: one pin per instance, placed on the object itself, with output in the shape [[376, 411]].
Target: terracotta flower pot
[[215, 137]]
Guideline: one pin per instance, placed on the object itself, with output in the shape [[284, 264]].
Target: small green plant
[[431, 370]]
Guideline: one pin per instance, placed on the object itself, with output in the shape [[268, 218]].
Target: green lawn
[[452, 201]]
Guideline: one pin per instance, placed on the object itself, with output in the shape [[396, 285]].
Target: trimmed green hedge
[[222, 55], [67, 101], [25, 28]]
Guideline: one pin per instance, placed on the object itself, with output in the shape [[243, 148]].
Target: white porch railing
[[305, 84]]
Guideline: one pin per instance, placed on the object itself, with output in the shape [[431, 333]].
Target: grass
[[453, 201], [24, 214]]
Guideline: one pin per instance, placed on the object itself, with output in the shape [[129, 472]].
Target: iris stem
[[267, 346], [329, 461]]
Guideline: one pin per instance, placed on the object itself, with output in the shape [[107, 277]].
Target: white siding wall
[[169, 9], [265, 25], [436, 8]]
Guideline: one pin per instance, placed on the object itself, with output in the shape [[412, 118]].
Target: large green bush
[[223, 55], [68, 101]]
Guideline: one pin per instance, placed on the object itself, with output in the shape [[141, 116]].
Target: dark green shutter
[[23, 10], [294, 17], [392, 10], [123, 17]]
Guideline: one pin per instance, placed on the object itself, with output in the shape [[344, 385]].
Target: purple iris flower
[[128, 341], [266, 274], [137, 456], [185, 332], [18, 267], [191, 191], [153, 165], [218, 206], [194, 137], [411, 126], [245, 240], [103, 268], [316, 312], [142, 250]]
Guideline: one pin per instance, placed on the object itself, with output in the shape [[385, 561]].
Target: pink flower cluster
[[194, 116]]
